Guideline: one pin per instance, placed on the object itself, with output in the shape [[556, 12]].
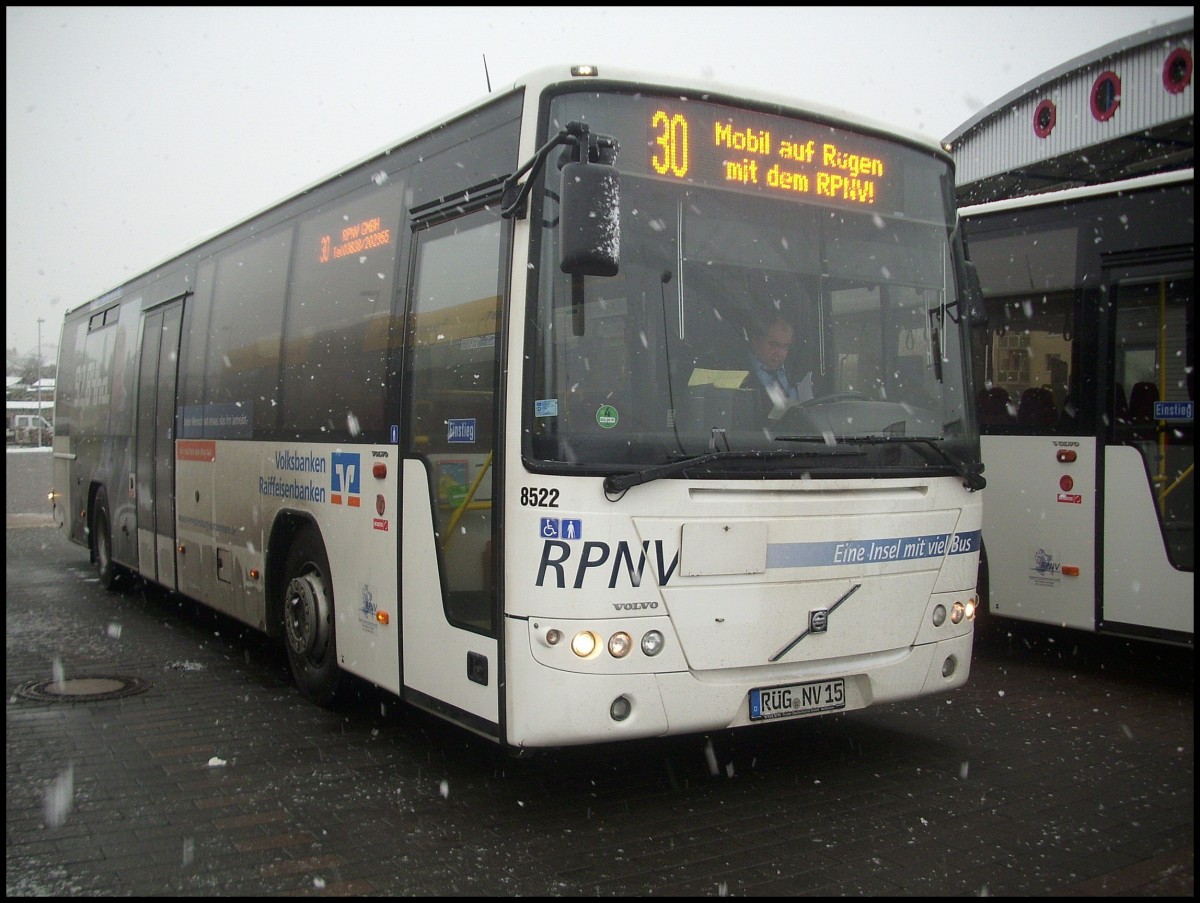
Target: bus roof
[[1074, 194], [536, 81]]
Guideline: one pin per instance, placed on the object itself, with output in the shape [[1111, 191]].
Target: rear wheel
[[308, 619], [106, 569]]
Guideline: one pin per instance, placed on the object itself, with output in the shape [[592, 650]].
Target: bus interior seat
[[1141, 402], [995, 407], [1037, 408], [1120, 405]]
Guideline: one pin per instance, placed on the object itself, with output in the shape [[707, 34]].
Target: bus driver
[[769, 344]]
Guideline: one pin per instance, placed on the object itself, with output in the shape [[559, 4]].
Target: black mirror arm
[[585, 146], [514, 195]]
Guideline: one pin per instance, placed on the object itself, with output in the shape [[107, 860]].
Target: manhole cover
[[88, 688]]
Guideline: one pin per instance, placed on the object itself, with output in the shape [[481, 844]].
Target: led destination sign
[[355, 239], [713, 145]]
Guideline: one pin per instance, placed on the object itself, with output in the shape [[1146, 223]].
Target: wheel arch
[[288, 525]]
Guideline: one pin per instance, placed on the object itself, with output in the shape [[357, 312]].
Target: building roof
[[1125, 109]]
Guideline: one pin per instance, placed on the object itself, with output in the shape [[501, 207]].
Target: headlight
[[585, 643]]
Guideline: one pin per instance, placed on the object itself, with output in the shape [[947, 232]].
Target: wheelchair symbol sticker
[[567, 528]]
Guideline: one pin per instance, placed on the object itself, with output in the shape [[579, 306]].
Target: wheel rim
[[306, 617]]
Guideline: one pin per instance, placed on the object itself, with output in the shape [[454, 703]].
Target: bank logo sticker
[[346, 479]]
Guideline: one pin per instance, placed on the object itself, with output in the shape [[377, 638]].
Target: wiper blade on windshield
[[970, 471], [617, 483]]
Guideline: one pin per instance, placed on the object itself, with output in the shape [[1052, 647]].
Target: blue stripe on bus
[[859, 551]]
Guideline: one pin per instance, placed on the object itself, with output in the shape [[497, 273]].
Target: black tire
[[309, 619], [982, 591], [108, 572]]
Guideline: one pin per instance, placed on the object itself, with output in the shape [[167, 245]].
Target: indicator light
[[652, 643]]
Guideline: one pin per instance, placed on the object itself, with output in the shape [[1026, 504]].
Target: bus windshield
[[783, 284]]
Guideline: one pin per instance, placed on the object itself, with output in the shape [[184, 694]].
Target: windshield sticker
[[607, 416], [545, 407]]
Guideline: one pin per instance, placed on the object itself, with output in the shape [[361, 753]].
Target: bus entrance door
[[154, 469], [448, 595], [1149, 497]]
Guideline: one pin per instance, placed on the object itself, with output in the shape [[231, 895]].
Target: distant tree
[[27, 367]]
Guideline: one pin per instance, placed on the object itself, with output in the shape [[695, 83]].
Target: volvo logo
[[818, 622]]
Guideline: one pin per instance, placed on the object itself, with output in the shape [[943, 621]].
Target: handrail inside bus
[[466, 503]]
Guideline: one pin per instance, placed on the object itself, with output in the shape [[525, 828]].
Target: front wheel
[[982, 593], [308, 619]]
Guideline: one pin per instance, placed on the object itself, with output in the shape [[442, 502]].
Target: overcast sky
[[132, 132]]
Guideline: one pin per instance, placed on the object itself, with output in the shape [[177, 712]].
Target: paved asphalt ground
[[1065, 767]]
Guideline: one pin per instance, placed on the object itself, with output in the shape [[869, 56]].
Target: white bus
[[452, 421], [1087, 406]]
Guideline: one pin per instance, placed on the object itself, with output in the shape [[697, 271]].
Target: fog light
[[949, 666], [939, 615], [652, 643], [957, 612], [972, 607], [619, 644], [620, 709], [585, 643]]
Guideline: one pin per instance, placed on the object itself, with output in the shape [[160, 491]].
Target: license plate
[[797, 699]]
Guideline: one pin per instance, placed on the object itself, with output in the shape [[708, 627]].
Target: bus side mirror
[[977, 316], [589, 231]]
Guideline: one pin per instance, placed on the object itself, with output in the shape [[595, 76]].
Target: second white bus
[[1087, 406]]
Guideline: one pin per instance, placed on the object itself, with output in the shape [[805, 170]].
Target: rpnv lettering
[[562, 561]]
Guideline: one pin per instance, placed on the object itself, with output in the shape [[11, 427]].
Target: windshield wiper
[[970, 471], [618, 483]]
